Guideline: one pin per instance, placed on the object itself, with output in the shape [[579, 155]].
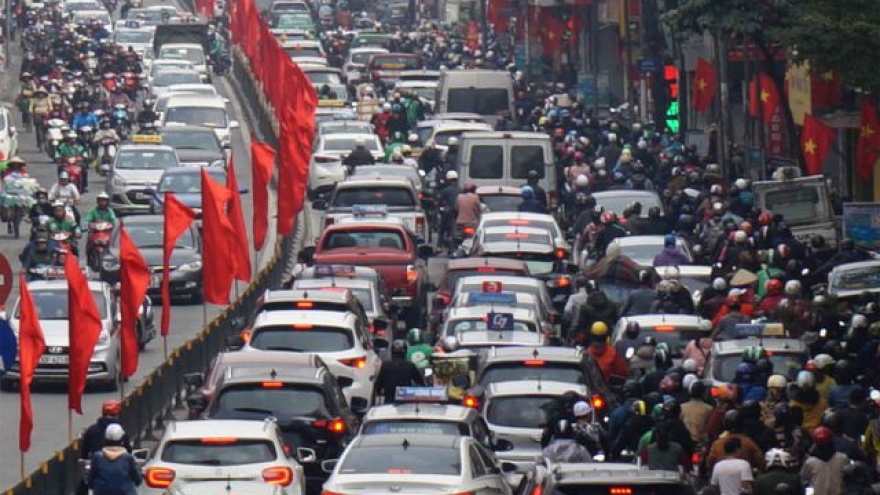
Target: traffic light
[[670, 77]]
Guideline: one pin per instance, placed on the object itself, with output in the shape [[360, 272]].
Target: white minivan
[[202, 110], [484, 92]]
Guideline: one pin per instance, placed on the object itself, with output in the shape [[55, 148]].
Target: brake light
[[272, 384], [560, 253], [442, 300], [769, 353], [468, 230], [420, 225], [534, 362], [302, 326], [664, 328], [305, 305], [246, 335], [597, 402], [219, 440], [563, 282], [620, 490], [359, 363], [715, 392], [278, 475], [335, 425], [538, 490], [470, 401], [695, 458], [411, 273], [486, 269], [517, 222], [516, 235], [158, 477]]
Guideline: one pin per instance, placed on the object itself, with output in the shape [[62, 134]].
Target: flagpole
[[21, 464], [204, 314], [165, 345], [70, 423]]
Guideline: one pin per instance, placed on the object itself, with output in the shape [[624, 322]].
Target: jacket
[[114, 472], [359, 156], [670, 256], [468, 208], [749, 452], [93, 438]]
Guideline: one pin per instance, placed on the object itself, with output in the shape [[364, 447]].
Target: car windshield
[[389, 239], [392, 62], [621, 486], [191, 140], [402, 460], [867, 277], [414, 426], [322, 77], [347, 144], [479, 325], [526, 411], [533, 369], [786, 364], [442, 138], [365, 297], [158, 65], [798, 206], [374, 195], [507, 235], [150, 236], [302, 51], [77, 6], [52, 304], [134, 37], [345, 128], [285, 400], [501, 202], [426, 93], [641, 251], [206, 116], [309, 339], [145, 160], [362, 57], [193, 54], [675, 338], [486, 101], [619, 202], [219, 452], [452, 276], [291, 21], [167, 78], [189, 182], [538, 263]]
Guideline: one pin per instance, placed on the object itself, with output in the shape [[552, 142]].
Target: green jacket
[[420, 355], [64, 225], [67, 150], [101, 215], [389, 150]]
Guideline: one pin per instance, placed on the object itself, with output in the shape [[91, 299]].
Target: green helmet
[[414, 336], [753, 353], [658, 413]]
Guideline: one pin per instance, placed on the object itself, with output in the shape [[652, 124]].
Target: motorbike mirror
[[630, 352], [502, 445], [233, 124], [13, 131]]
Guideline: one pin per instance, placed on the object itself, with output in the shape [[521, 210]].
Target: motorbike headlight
[[119, 181], [110, 266], [192, 266]]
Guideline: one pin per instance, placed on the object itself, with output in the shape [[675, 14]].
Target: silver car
[[135, 174]]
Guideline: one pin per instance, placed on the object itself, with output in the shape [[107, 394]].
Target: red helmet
[[608, 217], [764, 218], [470, 187], [774, 286], [746, 227], [111, 408], [822, 435]]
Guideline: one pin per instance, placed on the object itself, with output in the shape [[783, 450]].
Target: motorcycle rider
[[397, 372], [61, 223], [64, 191], [40, 108], [71, 147], [468, 208], [84, 117], [419, 353], [42, 207], [359, 155], [147, 114], [448, 198], [93, 437], [37, 256], [118, 97], [102, 211]]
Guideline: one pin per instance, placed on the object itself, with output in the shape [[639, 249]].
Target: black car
[[195, 146], [186, 258], [306, 402]]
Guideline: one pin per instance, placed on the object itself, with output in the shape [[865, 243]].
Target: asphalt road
[[50, 402]]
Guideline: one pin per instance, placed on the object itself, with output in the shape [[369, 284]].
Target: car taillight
[[534, 362], [158, 477], [441, 300], [538, 490], [420, 226], [597, 402], [219, 440], [560, 253], [411, 273], [359, 362], [620, 490], [553, 199], [246, 335], [272, 385], [563, 282], [335, 425], [278, 475], [470, 401], [695, 458]]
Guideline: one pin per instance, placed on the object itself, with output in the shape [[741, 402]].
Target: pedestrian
[[113, 470], [732, 475]]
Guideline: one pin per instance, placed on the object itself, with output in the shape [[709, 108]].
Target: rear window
[[400, 459], [530, 238], [798, 205], [538, 263], [524, 159], [482, 101], [676, 339], [518, 411], [389, 196], [487, 162], [623, 488], [501, 202], [313, 339], [300, 305], [788, 365], [463, 326], [385, 62], [415, 427], [219, 452], [452, 276], [533, 369], [365, 239], [270, 400]]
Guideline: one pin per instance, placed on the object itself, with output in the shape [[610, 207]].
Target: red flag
[[825, 88], [705, 85], [868, 145], [262, 163], [177, 218], [816, 140], [763, 97], [31, 345], [240, 249], [134, 279], [217, 242], [84, 330]]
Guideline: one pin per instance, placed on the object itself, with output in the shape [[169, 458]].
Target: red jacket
[[609, 361]]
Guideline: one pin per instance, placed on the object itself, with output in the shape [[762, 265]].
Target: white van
[[505, 159], [484, 92], [202, 110]]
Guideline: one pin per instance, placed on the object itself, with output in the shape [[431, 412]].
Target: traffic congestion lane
[[50, 402]]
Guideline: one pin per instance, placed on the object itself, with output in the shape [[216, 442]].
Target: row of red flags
[[224, 235]]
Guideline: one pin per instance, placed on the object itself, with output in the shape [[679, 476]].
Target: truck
[[803, 202]]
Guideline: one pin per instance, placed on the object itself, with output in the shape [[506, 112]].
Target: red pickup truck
[[390, 248]]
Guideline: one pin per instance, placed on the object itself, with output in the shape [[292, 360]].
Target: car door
[[487, 477], [8, 136]]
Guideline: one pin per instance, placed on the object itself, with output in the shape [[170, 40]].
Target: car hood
[[207, 156], [140, 176], [153, 256]]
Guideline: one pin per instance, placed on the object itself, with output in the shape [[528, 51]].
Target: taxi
[[378, 197], [331, 272], [510, 283], [310, 299], [605, 478], [674, 330], [364, 291], [136, 171], [485, 326], [502, 299], [787, 355]]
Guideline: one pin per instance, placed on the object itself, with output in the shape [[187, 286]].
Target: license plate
[[142, 196], [54, 359], [156, 281]]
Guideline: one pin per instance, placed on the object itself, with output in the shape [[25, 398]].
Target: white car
[[643, 248], [168, 77], [218, 449], [194, 52], [353, 68], [203, 110], [50, 299], [167, 63], [325, 169], [338, 338], [8, 135], [140, 38]]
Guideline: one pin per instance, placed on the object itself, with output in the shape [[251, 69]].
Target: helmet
[[632, 329], [658, 412], [774, 286], [527, 192], [776, 381], [639, 408], [732, 420], [632, 388], [744, 372], [103, 195], [599, 329], [689, 366], [58, 204], [822, 361], [741, 184], [719, 284], [360, 142], [582, 180], [752, 354], [805, 379], [111, 408], [470, 187], [453, 141], [793, 288], [740, 237], [452, 175], [765, 218], [398, 348], [822, 435], [764, 367], [114, 433], [859, 321], [608, 217], [582, 409], [778, 458], [414, 336], [450, 344]]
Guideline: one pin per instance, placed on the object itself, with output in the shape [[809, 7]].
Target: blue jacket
[[114, 472], [80, 120]]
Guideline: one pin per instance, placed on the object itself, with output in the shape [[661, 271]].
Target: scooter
[[63, 241], [97, 243], [86, 136], [54, 135], [461, 233], [73, 166], [131, 83], [121, 120], [106, 155]]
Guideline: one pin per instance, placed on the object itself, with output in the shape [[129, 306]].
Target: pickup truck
[[803, 202], [386, 245], [393, 197]]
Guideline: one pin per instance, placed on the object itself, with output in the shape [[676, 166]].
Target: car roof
[[615, 193], [504, 279], [857, 265], [215, 428], [508, 135], [268, 359], [254, 374], [184, 129], [346, 223], [499, 190], [505, 229], [359, 271], [360, 180], [486, 261], [144, 219], [338, 319], [94, 285], [196, 99], [556, 354], [397, 439], [291, 295], [772, 344], [611, 473], [533, 387], [193, 171], [146, 147], [329, 283], [651, 320], [347, 136], [422, 410]]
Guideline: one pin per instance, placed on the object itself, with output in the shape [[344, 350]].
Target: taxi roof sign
[[329, 102], [491, 298], [745, 330], [420, 394], [335, 271], [146, 139], [365, 210]]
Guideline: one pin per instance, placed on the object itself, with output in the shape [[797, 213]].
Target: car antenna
[[228, 483], [535, 353], [405, 444], [273, 373], [539, 383]]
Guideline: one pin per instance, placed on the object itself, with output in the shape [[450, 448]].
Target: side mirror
[[380, 344], [425, 251], [194, 380], [141, 455], [380, 324], [502, 445], [226, 146], [13, 131], [233, 124], [305, 455], [237, 323], [329, 465], [319, 204], [197, 402], [359, 405], [234, 342], [307, 255]]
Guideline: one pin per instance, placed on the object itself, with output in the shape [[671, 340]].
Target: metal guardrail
[[153, 402]]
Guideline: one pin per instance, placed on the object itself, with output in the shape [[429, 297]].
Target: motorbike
[[14, 210], [73, 166], [54, 135], [86, 136], [461, 233], [221, 63], [121, 120], [131, 83], [97, 242], [64, 241], [106, 154]]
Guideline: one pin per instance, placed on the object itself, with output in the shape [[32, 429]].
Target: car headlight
[[104, 338], [119, 181], [110, 266], [217, 164], [192, 266]]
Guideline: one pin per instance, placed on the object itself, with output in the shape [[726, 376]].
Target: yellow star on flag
[[765, 95], [867, 131], [702, 84], [810, 147], [828, 75]]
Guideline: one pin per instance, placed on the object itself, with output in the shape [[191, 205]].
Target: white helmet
[[823, 361], [776, 381], [453, 141], [450, 343], [793, 288], [452, 175], [689, 366], [740, 237], [688, 380], [581, 180], [360, 142], [741, 184], [386, 107], [778, 457], [719, 284], [413, 138], [859, 321], [806, 379]]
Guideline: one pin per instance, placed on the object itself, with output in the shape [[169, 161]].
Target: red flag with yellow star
[[869, 140], [816, 141], [763, 97], [705, 84]]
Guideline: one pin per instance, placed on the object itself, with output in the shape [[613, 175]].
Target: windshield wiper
[[283, 348], [253, 410], [209, 462]]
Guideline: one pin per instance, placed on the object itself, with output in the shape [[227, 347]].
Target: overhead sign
[[492, 287], [6, 281], [861, 223], [420, 394], [491, 298], [500, 321], [649, 65]]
